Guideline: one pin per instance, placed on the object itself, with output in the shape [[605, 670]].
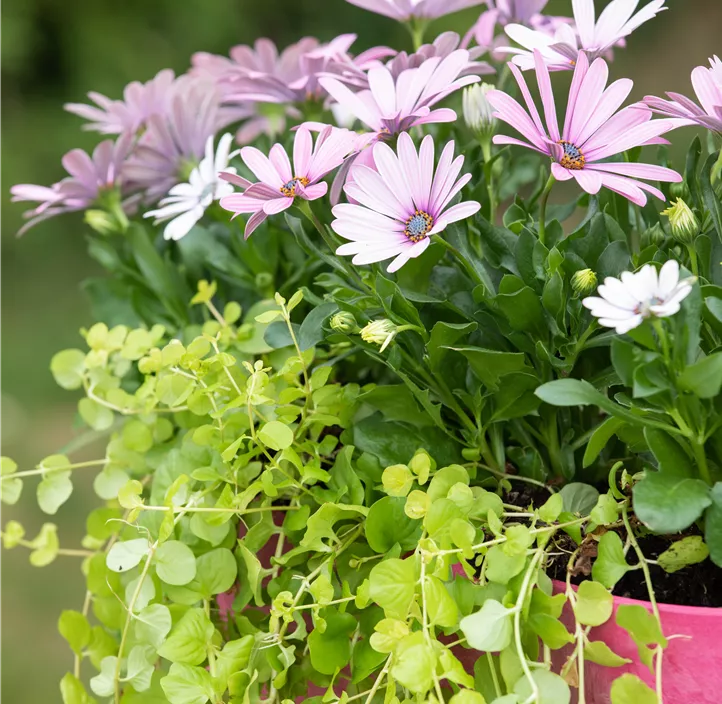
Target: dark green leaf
[[669, 504]]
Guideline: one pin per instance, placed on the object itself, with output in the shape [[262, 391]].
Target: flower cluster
[[172, 157]]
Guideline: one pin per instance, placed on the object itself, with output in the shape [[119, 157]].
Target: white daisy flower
[[186, 203], [627, 302]]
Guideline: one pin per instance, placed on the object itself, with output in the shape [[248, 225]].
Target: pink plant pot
[[691, 665]]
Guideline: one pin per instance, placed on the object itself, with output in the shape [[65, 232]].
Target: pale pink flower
[[140, 101], [504, 12], [394, 104], [618, 20], [279, 184], [251, 76], [403, 202], [707, 84], [444, 45], [174, 142], [593, 130], [89, 176], [405, 10]]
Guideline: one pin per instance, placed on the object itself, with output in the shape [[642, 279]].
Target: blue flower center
[[289, 188], [573, 158], [418, 226]]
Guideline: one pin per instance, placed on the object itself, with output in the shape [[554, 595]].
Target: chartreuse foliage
[[245, 551]]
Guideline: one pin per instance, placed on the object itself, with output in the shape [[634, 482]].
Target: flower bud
[[584, 282], [379, 332], [654, 235], [344, 322], [683, 222], [478, 111], [101, 221]]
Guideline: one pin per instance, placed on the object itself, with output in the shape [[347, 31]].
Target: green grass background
[[54, 52]]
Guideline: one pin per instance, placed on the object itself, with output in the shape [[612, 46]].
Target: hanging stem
[[543, 207]]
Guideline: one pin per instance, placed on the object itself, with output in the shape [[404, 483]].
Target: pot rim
[[672, 609]]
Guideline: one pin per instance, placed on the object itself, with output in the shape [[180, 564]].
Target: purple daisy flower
[[89, 176], [593, 130], [140, 101], [279, 184], [402, 203], [707, 84], [594, 37], [405, 10]]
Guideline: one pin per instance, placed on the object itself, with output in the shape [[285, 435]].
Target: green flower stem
[[304, 585], [212, 509], [663, 339], [650, 592], [543, 208], [486, 452], [306, 383], [210, 650], [63, 552], [515, 477], [129, 618], [494, 676], [489, 178], [518, 608], [46, 470], [417, 29], [497, 541], [473, 275], [701, 459], [304, 207], [693, 258]]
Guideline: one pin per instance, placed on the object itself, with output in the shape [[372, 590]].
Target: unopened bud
[[478, 111], [654, 235], [584, 282], [683, 222], [101, 221], [379, 332], [344, 322]]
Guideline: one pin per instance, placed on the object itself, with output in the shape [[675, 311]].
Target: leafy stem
[[650, 592], [525, 585], [543, 199]]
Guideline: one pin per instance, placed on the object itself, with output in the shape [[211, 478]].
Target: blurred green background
[[55, 52]]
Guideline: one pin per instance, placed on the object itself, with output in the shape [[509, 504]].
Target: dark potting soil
[[696, 585]]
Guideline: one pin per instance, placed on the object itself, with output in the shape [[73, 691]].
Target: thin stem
[[517, 625], [494, 676], [473, 274], [650, 591], [45, 470], [693, 259], [129, 619], [701, 458], [489, 178], [212, 509], [543, 207]]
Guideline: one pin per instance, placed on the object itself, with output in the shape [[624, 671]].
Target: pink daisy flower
[[504, 12], [174, 142], [595, 38], [405, 10], [402, 203], [394, 104], [140, 101], [278, 183], [444, 45], [89, 176], [707, 84], [593, 130]]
